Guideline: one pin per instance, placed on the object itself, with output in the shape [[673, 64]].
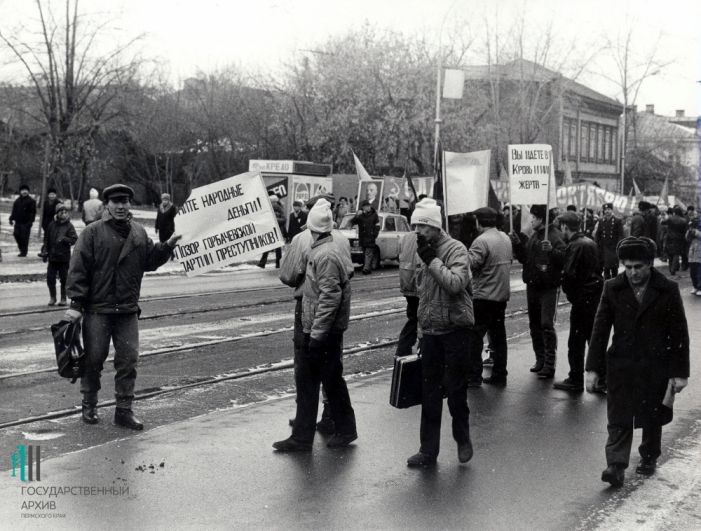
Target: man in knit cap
[[92, 208], [326, 301], [648, 361], [445, 317]]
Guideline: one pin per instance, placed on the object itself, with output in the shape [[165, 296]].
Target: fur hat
[[51, 190], [538, 211], [571, 219], [59, 207], [644, 205], [320, 218], [23, 187], [636, 248], [427, 212]]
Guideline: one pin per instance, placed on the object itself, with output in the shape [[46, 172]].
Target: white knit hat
[[427, 212], [320, 218]]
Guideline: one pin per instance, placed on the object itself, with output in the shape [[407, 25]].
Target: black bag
[[70, 355], [406, 382]]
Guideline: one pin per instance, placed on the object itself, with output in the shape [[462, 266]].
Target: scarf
[[123, 228]]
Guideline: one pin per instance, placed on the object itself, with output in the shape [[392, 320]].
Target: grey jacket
[[105, 271], [326, 292], [408, 262], [444, 302], [294, 262], [490, 261]]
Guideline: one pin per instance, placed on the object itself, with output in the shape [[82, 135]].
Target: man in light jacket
[[490, 261], [446, 317]]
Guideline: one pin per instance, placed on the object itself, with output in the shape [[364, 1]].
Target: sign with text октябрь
[[226, 222], [529, 173]]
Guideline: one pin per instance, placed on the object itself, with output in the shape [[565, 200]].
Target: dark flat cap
[[485, 213], [644, 205], [636, 248], [117, 190], [571, 219], [365, 202]]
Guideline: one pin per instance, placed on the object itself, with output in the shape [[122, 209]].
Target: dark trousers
[[299, 341], [313, 368], [695, 274], [21, 233], [98, 330], [620, 442], [264, 258], [444, 367], [581, 325], [368, 258], [489, 318], [542, 305], [60, 269], [674, 263], [407, 337]]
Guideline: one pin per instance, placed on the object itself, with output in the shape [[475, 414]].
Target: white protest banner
[[225, 222], [529, 173], [466, 181]]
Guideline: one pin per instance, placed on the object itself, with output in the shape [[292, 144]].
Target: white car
[[393, 227]]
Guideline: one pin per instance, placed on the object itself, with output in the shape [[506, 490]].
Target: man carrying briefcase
[[445, 316]]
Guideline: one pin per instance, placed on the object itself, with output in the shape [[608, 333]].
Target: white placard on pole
[[529, 173]]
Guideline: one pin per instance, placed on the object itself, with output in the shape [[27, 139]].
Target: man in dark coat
[[368, 228], [104, 283], [298, 219], [24, 211], [58, 238], [281, 222], [609, 231], [48, 211], [542, 261], [165, 218], [675, 242], [648, 360], [582, 283]]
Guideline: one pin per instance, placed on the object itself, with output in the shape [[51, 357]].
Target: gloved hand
[[72, 315], [424, 250], [679, 383], [591, 378], [546, 246]]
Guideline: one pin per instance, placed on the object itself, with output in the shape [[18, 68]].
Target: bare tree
[[76, 84]]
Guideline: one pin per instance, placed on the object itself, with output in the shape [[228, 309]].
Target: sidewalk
[[538, 458]]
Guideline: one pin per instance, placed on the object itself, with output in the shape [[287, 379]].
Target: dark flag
[[438, 166]]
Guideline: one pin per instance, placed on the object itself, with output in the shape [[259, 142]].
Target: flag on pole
[[408, 183], [453, 84], [638, 193], [438, 166], [360, 170], [466, 177], [664, 193]]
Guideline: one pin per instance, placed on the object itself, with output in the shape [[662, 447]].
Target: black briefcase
[[406, 382], [70, 356]]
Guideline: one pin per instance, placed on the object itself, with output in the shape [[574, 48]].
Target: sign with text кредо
[[226, 222], [529, 173]]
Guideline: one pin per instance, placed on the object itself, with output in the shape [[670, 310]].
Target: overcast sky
[[196, 35]]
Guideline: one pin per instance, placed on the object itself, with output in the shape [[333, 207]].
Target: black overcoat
[[650, 346]]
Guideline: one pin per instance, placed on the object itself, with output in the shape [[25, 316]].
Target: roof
[[523, 69], [651, 125]]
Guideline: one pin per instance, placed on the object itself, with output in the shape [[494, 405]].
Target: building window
[[573, 140], [600, 144], [592, 142], [607, 145], [584, 142], [614, 145]]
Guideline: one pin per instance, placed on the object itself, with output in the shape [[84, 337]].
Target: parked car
[[393, 227]]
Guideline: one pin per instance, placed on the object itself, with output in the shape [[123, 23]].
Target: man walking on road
[[490, 261], [648, 361], [446, 317], [24, 211], [325, 315], [542, 268], [368, 228], [609, 231], [104, 283], [582, 283]]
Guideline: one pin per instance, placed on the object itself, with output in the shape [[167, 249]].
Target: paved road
[[538, 451]]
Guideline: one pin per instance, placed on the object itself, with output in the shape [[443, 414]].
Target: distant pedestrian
[[582, 283], [542, 270], [104, 283], [342, 208], [165, 218], [693, 236], [48, 211], [649, 357], [677, 227], [92, 208], [609, 231], [298, 219], [24, 211], [368, 229], [325, 314], [446, 318], [408, 263], [490, 261], [281, 221], [59, 236]]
